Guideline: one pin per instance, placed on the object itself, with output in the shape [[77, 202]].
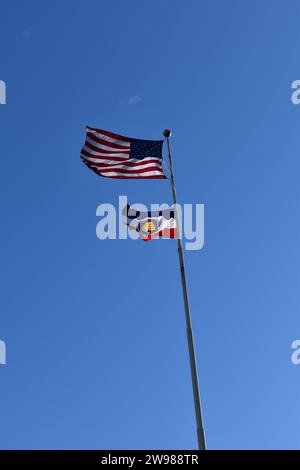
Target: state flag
[[151, 224]]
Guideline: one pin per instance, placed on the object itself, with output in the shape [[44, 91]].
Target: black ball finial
[[167, 133]]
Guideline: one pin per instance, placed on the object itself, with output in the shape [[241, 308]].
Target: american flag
[[115, 156]]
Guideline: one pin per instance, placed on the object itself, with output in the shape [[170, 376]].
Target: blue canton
[[146, 148]]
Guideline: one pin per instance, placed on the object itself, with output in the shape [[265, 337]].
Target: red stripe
[[107, 143], [166, 233], [110, 134], [97, 157], [169, 233], [155, 177], [121, 170], [160, 177], [127, 163], [96, 149]]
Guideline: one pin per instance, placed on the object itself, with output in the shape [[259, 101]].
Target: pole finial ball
[[167, 133]]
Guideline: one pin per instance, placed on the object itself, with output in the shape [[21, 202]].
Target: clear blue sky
[[96, 345]]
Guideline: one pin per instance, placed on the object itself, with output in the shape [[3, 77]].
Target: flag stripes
[[115, 156]]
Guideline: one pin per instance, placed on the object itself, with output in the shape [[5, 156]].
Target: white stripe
[[108, 139], [102, 160], [134, 175], [171, 223], [123, 166], [125, 160], [93, 152], [105, 147], [163, 225]]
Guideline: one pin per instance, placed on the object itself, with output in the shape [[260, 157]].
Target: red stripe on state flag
[[166, 233]]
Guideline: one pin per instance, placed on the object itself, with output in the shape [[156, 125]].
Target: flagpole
[[190, 339]]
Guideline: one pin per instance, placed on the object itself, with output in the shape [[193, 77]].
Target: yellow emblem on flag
[[148, 227]]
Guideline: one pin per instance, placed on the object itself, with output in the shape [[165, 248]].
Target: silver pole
[[190, 339]]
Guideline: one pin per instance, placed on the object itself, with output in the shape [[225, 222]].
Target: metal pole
[[190, 339]]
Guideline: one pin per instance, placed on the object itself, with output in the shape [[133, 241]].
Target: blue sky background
[[96, 345]]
